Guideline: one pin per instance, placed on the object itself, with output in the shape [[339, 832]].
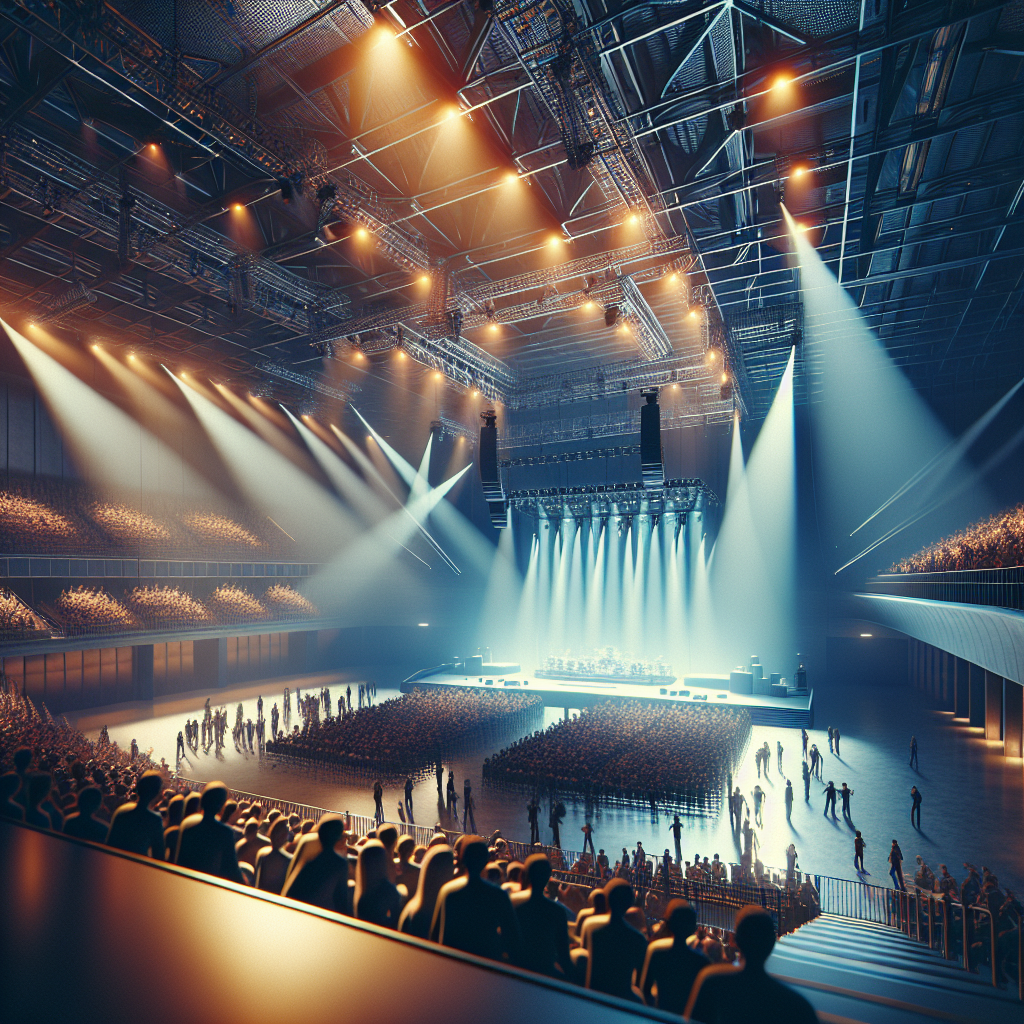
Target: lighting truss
[[308, 381], [602, 501]]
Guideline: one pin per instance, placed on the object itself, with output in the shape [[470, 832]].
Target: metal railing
[[1000, 588]]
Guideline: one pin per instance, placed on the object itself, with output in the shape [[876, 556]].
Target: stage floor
[[788, 712]]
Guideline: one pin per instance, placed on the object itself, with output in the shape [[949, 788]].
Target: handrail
[[993, 952]]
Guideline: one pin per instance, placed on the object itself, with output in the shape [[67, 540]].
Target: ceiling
[[542, 200]]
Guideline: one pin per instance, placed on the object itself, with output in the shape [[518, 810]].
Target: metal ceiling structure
[[541, 199]]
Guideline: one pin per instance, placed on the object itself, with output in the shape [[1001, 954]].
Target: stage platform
[[783, 712]]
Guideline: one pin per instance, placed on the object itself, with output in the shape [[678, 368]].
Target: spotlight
[[424, 279], [511, 178], [781, 82], [725, 377], [675, 387], [589, 305], [359, 355], [634, 218], [493, 328], [401, 355], [451, 113], [153, 147], [712, 355], [475, 394], [438, 375], [799, 172], [95, 348], [385, 35], [362, 234], [694, 314], [673, 277], [237, 207], [554, 241]]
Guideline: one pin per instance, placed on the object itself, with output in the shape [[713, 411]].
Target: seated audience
[[272, 862], [137, 828], [542, 923], [616, 949], [206, 843], [436, 870], [377, 898], [723, 994], [83, 824], [671, 967], [322, 879]]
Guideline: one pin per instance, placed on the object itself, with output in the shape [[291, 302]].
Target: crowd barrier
[[999, 588]]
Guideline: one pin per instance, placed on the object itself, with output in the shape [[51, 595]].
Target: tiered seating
[[868, 972]]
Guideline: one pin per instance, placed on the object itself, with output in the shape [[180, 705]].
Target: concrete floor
[[973, 797]]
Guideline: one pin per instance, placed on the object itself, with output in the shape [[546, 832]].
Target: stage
[[788, 712]]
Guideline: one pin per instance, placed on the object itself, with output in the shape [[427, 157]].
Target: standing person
[[439, 772], [616, 948], [758, 801], [408, 796], [835, 740], [803, 737], [728, 797], [348, 696], [136, 827], [259, 706], [468, 806], [533, 813], [275, 717], [767, 758], [670, 963], [676, 828], [858, 853], [830, 798], [915, 807], [896, 866], [179, 751], [757, 761], [378, 802], [913, 751], [830, 749], [739, 801], [554, 821], [807, 782], [789, 800], [791, 856], [588, 839], [846, 793], [778, 744]]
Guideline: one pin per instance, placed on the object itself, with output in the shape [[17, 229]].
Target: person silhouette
[[676, 828], [38, 785], [846, 793], [806, 773], [377, 899], [408, 796], [726, 993], [407, 872], [670, 964], [858, 853], [789, 799], [468, 806], [542, 923], [378, 802], [206, 843], [83, 824], [830, 798], [474, 915], [136, 828], [322, 879], [450, 795], [436, 870], [247, 848], [616, 949], [272, 862], [439, 773], [835, 740], [913, 751], [533, 813], [915, 807]]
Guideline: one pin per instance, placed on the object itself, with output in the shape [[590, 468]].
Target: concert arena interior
[[512, 510]]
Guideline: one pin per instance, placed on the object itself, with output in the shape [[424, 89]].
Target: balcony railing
[[999, 588]]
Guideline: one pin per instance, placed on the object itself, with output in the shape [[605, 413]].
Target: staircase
[[857, 971]]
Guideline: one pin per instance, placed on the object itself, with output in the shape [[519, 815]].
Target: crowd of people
[[27, 524], [17, 619], [127, 524], [158, 607], [994, 543], [630, 750], [47, 516], [286, 602], [466, 895], [85, 609], [234, 604], [409, 732]]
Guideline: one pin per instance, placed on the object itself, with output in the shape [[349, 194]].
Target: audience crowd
[[16, 618], [408, 732], [48, 516], [83, 608], [994, 543], [127, 524], [630, 750], [232, 603], [167, 606], [286, 602]]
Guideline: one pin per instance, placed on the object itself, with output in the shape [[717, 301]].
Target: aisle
[[973, 798]]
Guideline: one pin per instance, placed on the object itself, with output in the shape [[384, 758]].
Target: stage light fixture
[[866, 634], [438, 375], [511, 178], [362, 234], [237, 207], [634, 218], [781, 82], [725, 377], [799, 172], [401, 355], [493, 328], [554, 241], [694, 314], [424, 279], [712, 355], [450, 113], [153, 147]]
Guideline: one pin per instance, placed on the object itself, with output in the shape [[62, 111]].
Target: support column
[[993, 706], [977, 704], [1013, 718], [302, 650], [961, 688], [142, 671], [210, 663], [945, 695]]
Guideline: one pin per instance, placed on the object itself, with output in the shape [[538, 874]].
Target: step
[[892, 986], [940, 969]]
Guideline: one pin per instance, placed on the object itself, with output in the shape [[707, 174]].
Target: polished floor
[[973, 797]]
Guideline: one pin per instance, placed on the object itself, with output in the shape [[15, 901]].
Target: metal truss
[[601, 502], [309, 381]]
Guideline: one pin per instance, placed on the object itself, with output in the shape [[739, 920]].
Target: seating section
[[860, 971], [994, 543]]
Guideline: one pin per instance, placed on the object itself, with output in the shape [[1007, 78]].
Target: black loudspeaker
[[490, 477], [652, 466]]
